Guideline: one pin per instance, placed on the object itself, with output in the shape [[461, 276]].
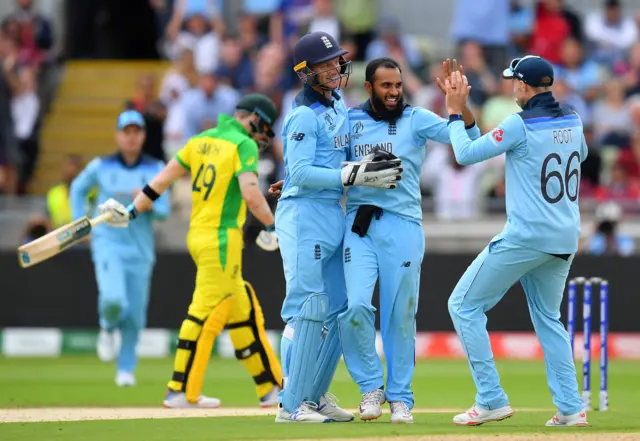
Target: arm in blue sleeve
[[80, 188], [302, 137], [507, 136], [429, 126], [162, 205], [584, 149]]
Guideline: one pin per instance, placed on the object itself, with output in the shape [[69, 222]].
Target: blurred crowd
[[596, 54]]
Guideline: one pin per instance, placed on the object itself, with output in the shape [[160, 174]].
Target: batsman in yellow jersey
[[223, 163]]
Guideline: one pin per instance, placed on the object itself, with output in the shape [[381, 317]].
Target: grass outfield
[[443, 386]]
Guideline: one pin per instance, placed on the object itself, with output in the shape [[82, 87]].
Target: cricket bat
[[58, 240]]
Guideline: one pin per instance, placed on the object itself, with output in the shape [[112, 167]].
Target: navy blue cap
[[531, 69], [130, 118], [314, 48]]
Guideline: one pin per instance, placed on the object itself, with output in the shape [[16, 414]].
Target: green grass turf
[[85, 382]]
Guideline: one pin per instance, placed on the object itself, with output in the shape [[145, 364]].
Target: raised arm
[[81, 186]]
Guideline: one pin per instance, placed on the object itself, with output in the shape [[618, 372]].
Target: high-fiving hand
[[448, 67], [458, 88]]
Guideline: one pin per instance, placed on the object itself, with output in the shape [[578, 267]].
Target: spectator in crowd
[[202, 105], [9, 84], [611, 119], [181, 77], [606, 239], [620, 188], [325, 19], [487, 23], [427, 95], [629, 159], [25, 108], [576, 69], [359, 18], [260, 12], [144, 101], [482, 80], [271, 76], [58, 203], [391, 42], [591, 168], [567, 97], [610, 33], [498, 107], [630, 71], [286, 21], [252, 37], [521, 21], [236, 67], [36, 33], [553, 25], [197, 36]]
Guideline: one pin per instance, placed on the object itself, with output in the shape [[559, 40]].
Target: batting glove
[[119, 213], [267, 239]]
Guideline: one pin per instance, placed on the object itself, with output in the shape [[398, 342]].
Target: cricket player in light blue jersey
[[390, 247], [123, 257], [544, 146], [310, 227]]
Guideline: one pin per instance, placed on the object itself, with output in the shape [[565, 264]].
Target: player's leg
[[306, 306], [138, 282], [331, 348], [357, 323], [253, 349], [492, 273], [400, 250], [112, 302], [206, 317], [544, 288]]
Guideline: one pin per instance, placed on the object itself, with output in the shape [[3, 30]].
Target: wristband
[[133, 213], [270, 228], [150, 192], [455, 117]]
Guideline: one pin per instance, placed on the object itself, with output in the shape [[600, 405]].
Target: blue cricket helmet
[[319, 47]]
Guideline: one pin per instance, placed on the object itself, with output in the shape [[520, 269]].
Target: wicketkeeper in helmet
[[310, 225]]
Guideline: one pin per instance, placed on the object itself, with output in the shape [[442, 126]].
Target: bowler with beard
[[384, 240]]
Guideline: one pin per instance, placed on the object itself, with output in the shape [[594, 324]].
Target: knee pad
[[258, 356], [201, 352]]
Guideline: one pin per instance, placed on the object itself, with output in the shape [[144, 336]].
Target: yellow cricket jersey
[[215, 158]]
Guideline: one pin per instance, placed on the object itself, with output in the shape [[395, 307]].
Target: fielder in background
[[544, 146], [123, 259], [310, 228], [223, 163], [384, 240]]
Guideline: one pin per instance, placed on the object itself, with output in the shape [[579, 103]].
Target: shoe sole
[[283, 420], [166, 406], [269, 404], [479, 423], [333, 420], [568, 425], [371, 418]]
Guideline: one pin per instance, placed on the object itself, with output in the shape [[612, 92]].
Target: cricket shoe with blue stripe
[[306, 413], [371, 405], [178, 400], [328, 406]]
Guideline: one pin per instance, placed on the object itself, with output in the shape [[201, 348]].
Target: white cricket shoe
[[125, 379], [476, 416], [328, 406], [270, 399], [575, 420], [178, 400], [106, 347], [306, 413], [400, 413], [370, 405]]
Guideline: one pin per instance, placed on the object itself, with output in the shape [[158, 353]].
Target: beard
[[388, 114]]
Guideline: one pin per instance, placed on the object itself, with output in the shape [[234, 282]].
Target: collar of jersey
[[367, 107], [229, 122], [121, 160], [317, 96], [544, 99]]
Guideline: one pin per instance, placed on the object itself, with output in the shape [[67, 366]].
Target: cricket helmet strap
[[315, 48]]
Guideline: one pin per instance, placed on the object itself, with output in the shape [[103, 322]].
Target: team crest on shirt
[[330, 122], [357, 130]]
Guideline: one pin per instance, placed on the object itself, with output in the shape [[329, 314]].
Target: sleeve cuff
[[471, 126], [454, 118]]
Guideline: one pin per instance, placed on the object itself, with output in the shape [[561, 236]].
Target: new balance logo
[[295, 136], [406, 264], [326, 42], [347, 255]]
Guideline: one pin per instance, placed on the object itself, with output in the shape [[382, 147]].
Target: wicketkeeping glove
[[367, 173], [119, 213]]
